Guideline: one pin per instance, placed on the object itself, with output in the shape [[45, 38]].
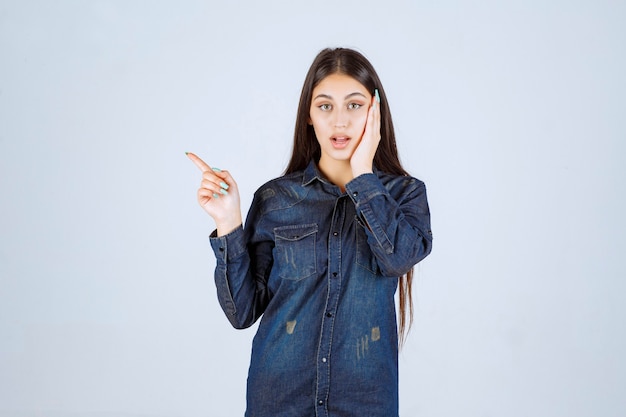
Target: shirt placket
[[328, 320]]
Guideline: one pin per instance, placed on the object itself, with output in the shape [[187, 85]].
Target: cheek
[[360, 119], [318, 122], [319, 131]]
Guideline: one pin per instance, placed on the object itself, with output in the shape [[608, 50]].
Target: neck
[[337, 172]]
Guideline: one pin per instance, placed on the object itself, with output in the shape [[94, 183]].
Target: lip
[[340, 142]]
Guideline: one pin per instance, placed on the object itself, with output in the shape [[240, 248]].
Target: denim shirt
[[321, 267]]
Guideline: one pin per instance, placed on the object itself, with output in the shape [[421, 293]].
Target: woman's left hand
[[362, 159]]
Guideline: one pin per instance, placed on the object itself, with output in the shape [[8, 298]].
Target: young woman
[[322, 252]]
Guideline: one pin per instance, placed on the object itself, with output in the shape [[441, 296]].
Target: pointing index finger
[[202, 166]]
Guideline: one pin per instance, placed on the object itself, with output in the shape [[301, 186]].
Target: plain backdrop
[[512, 112]]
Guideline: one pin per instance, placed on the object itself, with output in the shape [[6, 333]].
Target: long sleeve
[[397, 226], [241, 273]]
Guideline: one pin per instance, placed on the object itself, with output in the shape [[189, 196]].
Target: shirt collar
[[311, 173]]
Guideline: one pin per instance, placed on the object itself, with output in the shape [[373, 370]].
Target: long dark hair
[[306, 148]]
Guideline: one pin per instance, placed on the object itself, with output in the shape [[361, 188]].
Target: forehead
[[338, 86]]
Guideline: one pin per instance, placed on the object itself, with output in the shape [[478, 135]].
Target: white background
[[512, 112]]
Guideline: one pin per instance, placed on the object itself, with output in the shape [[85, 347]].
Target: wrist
[[360, 170], [225, 226]]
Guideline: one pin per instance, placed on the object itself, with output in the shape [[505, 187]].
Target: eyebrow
[[356, 93]]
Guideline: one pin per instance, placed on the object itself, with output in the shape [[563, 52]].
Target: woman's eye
[[354, 106], [325, 107]]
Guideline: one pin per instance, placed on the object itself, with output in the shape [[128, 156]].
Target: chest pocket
[[364, 256], [295, 254]]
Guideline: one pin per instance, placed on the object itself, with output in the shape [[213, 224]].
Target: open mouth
[[340, 142]]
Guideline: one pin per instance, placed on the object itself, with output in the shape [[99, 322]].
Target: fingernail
[[223, 191], [215, 195], [224, 185], [377, 95], [216, 169], [186, 153]]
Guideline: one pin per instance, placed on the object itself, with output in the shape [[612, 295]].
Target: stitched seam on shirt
[[377, 231], [224, 278], [264, 209]]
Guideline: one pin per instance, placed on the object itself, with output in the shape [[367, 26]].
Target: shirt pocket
[[295, 254], [364, 256]]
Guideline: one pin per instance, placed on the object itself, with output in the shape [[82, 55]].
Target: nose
[[341, 119]]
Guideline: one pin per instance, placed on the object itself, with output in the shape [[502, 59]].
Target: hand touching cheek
[[363, 156]]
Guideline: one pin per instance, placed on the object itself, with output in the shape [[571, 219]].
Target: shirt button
[[355, 193], [329, 314], [324, 360], [320, 402], [334, 274], [335, 234]]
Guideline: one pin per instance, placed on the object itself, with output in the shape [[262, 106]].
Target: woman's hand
[[363, 157], [218, 195]]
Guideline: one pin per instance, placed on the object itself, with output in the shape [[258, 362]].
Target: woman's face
[[339, 109]]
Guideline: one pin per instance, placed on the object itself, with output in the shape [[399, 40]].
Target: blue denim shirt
[[321, 267]]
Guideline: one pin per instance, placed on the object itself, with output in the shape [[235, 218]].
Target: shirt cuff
[[365, 187], [228, 246]]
